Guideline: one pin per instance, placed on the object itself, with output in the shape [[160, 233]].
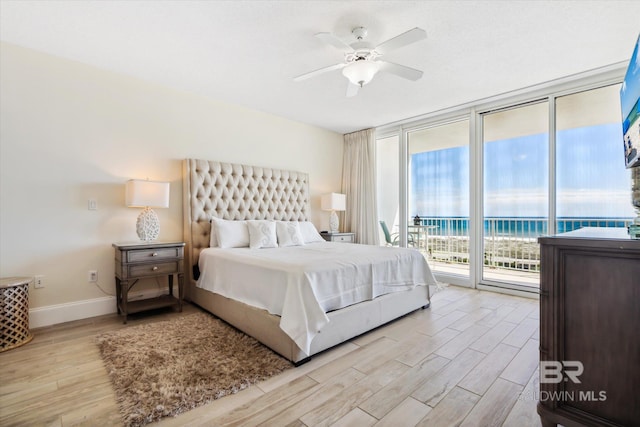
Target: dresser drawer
[[346, 239], [146, 255], [153, 269]]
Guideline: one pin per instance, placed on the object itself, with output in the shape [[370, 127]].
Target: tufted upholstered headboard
[[237, 192]]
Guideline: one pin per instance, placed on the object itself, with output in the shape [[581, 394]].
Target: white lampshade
[[147, 194], [361, 72], [141, 193], [333, 202]]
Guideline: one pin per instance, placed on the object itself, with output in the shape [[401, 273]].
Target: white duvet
[[302, 283]]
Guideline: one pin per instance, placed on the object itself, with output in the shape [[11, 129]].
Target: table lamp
[[333, 202], [147, 194]]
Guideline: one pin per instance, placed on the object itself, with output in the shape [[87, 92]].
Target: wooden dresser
[[590, 328]]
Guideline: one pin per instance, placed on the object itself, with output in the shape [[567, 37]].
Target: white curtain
[[359, 186]]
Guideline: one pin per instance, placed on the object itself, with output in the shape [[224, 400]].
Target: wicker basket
[[14, 312]]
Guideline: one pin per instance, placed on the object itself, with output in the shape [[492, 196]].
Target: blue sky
[[591, 178]]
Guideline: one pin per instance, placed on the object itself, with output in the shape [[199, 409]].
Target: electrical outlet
[[93, 205], [39, 281], [93, 276]]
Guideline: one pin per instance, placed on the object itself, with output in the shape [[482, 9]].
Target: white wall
[[70, 132]]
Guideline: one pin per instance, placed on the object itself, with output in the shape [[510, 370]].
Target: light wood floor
[[471, 360]]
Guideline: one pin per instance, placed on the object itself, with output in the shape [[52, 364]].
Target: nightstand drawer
[[152, 254], [339, 237], [141, 270]]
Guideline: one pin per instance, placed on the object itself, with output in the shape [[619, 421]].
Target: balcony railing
[[509, 243]]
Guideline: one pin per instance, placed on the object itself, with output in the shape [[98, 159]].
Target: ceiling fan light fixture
[[361, 72]]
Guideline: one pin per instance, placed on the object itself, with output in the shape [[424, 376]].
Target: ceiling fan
[[362, 60]]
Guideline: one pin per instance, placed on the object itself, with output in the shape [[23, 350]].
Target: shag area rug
[[169, 367]]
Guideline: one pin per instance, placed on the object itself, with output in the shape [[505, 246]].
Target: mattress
[[302, 283]]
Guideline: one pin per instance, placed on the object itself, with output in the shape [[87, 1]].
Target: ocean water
[[515, 227]]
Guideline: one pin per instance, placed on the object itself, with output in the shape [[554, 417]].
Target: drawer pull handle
[[154, 254], [154, 268]]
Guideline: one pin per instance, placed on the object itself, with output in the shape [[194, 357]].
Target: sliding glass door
[[474, 193], [438, 196], [593, 189], [516, 200]]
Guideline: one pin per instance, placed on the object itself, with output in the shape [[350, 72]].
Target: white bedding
[[302, 283]]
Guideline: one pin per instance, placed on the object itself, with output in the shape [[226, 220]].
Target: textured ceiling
[[246, 52]]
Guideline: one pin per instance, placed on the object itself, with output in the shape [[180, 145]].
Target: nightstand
[[135, 261], [339, 237]]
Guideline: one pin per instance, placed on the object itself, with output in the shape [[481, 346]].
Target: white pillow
[[262, 234], [289, 233], [213, 235], [232, 234], [309, 232]]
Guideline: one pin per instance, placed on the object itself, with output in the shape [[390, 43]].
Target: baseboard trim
[[60, 313], [78, 310]]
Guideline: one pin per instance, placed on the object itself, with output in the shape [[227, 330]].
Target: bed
[[294, 318]]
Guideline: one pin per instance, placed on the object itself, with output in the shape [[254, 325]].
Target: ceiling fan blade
[[352, 90], [332, 40], [319, 71], [400, 70], [401, 40]]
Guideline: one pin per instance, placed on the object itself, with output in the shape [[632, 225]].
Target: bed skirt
[[344, 324]]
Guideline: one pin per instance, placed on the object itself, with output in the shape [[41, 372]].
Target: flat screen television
[[630, 103]]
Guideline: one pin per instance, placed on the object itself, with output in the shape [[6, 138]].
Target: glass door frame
[[472, 112], [402, 132], [481, 282]]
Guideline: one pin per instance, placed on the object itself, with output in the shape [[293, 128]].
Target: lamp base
[[148, 225], [333, 222]]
